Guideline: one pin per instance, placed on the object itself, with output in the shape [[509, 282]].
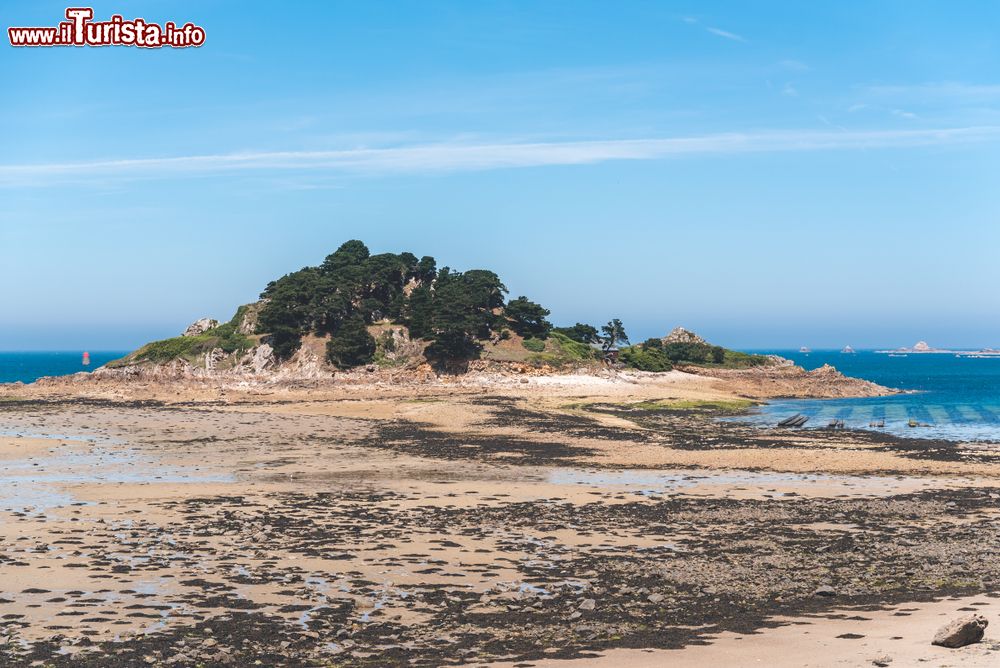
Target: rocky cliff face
[[258, 363], [248, 320], [200, 327]]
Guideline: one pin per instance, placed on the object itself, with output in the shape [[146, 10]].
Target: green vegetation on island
[[364, 305], [226, 337], [663, 355]]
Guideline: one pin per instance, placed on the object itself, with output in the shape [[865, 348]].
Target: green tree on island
[[580, 332], [351, 345], [463, 312], [613, 334], [527, 318], [350, 282], [352, 288]]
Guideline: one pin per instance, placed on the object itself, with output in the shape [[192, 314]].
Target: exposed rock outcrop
[[396, 348], [259, 359], [247, 324], [200, 327], [681, 335], [782, 379]]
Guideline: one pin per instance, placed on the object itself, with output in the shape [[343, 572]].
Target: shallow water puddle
[[39, 480]]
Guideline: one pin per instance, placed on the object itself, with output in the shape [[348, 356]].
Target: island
[[358, 317], [922, 348]]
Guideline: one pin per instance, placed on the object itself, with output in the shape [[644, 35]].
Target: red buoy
[[86, 359]]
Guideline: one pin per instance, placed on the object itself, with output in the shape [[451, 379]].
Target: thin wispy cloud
[[948, 103], [453, 157], [726, 34], [718, 32]]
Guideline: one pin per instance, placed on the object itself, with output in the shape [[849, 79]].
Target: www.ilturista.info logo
[[81, 30]]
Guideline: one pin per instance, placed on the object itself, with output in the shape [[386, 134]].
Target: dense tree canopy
[[647, 356], [527, 318], [464, 309], [580, 333], [352, 288], [699, 353], [350, 283], [655, 355], [351, 345]]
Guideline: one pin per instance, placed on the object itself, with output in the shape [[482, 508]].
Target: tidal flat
[[526, 523]]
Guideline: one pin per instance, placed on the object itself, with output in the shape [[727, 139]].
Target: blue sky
[[768, 174]]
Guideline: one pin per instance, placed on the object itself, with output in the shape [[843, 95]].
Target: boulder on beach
[[961, 632], [825, 590]]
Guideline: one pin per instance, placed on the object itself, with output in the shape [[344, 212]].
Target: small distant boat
[[86, 359], [847, 350], [897, 354], [804, 350]]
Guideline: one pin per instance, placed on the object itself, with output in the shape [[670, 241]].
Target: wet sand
[[535, 523], [842, 637]]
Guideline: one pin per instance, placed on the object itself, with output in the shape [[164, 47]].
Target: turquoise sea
[[30, 366], [958, 398]]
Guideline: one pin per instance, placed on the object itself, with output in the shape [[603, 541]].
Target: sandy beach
[[543, 520]]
